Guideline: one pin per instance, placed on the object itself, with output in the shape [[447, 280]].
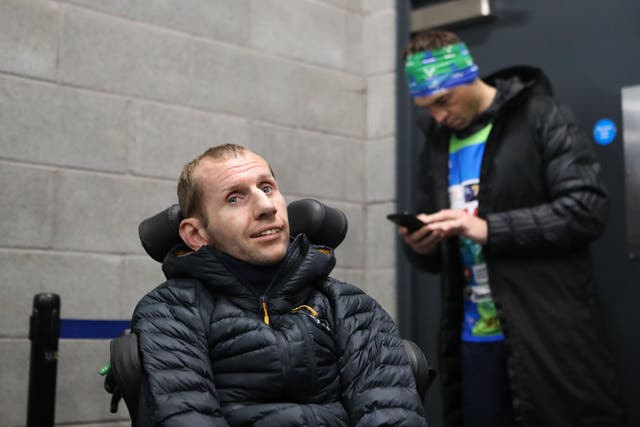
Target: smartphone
[[405, 219]]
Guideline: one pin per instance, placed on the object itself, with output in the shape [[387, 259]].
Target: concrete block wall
[[102, 103]]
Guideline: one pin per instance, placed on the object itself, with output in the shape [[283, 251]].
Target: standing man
[[511, 197], [250, 330]]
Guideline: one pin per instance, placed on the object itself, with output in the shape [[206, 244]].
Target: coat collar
[[304, 266]]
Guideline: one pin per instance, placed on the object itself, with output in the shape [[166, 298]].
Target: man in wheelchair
[[250, 330]]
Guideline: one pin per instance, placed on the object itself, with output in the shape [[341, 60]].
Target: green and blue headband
[[432, 71]]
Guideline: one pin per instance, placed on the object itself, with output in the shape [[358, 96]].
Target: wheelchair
[[323, 225]]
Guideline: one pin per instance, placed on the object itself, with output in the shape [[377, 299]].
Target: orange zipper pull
[[306, 307], [263, 303]]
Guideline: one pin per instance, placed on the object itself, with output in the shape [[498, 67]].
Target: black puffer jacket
[[330, 355], [542, 198]]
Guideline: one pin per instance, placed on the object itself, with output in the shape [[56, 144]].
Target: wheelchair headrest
[[322, 224]]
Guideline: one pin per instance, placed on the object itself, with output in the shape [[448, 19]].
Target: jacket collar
[[304, 266]]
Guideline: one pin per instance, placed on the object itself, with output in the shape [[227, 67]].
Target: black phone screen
[[406, 219]]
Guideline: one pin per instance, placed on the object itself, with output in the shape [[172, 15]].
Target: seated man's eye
[[267, 189], [232, 200]]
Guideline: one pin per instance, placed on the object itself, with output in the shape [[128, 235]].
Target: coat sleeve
[[576, 212], [378, 388], [178, 390], [425, 203], [431, 262]]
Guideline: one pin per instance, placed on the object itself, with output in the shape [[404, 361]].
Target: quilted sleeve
[[378, 388], [178, 386], [577, 209]]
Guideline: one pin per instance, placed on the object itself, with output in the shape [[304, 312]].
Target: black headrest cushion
[[322, 224]]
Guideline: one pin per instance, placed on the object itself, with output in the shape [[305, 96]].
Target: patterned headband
[[432, 71]]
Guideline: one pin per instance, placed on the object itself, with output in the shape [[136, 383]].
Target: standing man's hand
[[452, 222], [423, 240]]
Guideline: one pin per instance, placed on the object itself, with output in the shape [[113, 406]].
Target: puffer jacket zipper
[[283, 344]]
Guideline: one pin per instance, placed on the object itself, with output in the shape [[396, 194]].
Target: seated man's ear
[[193, 233]]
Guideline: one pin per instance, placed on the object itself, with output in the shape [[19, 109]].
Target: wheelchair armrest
[[126, 371], [422, 372]]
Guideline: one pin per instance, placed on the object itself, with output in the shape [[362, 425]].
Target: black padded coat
[[330, 355], [543, 201]]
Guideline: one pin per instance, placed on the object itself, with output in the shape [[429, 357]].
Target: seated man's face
[[246, 214]]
